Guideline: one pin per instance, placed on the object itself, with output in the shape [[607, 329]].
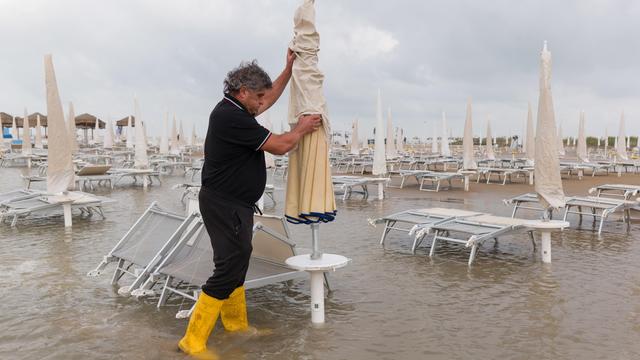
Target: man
[[233, 179]]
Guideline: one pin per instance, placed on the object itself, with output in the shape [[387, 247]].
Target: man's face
[[252, 100]]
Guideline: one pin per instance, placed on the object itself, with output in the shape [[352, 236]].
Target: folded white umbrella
[[379, 156], [164, 137], [130, 134], [548, 183], [621, 151], [14, 129], [581, 150], [530, 149], [71, 129], [490, 154], [108, 135], [309, 197], [434, 140], [60, 174], [141, 160], [400, 139], [175, 146], [194, 138], [468, 161], [265, 120], [606, 140], [444, 141], [38, 143], [391, 146], [181, 139], [26, 134], [95, 135], [355, 141]]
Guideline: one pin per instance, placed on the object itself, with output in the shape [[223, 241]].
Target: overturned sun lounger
[[415, 218]]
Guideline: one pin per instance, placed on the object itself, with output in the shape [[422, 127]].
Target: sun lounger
[[599, 208], [474, 231], [189, 264], [90, 174], [17, 195], [624, 191], [435, 179], [346, 184], [152, 236], [46, 206], [413, 218], [135, 174], [503, 174], [528, 201], [404, 174]]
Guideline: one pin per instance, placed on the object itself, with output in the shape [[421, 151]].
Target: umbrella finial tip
[[544, 47]]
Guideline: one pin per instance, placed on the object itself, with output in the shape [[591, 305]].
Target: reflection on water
[[387, 304]]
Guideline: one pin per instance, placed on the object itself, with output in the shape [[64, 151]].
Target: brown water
[[387, 304]]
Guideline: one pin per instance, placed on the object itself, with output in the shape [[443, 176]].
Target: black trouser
[[230, 227]]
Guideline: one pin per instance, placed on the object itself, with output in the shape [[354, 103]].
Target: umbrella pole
[[315, 247]]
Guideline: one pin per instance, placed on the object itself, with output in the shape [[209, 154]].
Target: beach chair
[[135, 174], [17, 195], [528, 201], [624, 191], [503, 174], [435, 179], [474, 231], [46, 206], [417, 217], [404, 174], [599, 208], [152, 236], [90, 174], [190, 264], [346, 185]]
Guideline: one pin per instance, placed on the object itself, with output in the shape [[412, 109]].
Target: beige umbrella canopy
[[309, 197], [581, 150], [125, 121], [469, 163], [548, 183], [88, 121]]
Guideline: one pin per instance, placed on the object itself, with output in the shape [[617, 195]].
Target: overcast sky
[[425, 56]]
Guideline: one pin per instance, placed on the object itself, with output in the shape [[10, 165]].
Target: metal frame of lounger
[[522, 202], [505, 173], [477, 229], [416, 218], [436, 179], [189, 288], [624, 191], [146, 231], [23, 207], [119, 174], [15, 195], [346, 183], [606, 206], [403, 174]]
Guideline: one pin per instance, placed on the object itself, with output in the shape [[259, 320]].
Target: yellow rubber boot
[[203, 320], [234, 311]]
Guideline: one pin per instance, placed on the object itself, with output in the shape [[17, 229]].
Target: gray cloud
[[426, 56]]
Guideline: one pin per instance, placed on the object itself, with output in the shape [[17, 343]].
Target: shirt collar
[[234, 101]]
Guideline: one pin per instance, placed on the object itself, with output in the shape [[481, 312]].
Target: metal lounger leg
[[472, 256], [117, 272], [433, 244]]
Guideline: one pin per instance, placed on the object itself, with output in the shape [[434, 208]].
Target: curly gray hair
[[249, 75]]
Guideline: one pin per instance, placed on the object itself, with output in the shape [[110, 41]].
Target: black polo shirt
[[233, 162]]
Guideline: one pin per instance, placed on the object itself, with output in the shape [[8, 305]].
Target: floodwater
[[387, 304]]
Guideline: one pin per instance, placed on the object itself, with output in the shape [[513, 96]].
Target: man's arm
[[277, 87], [281, 144]]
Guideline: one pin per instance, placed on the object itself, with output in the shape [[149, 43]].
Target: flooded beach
[[387, 304]]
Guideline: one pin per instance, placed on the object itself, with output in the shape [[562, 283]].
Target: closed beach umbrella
[[309, 197], [606, 140], [71, 129], [14, 129], [621, 151], [530, 148], [265, 120], [164, 137], [391, 146], [444, 141], [581, 150], [490, 153], [400, 140], [181, 140], [434, 140], [561, 151], [175, 147], [38, 143], [379, 156], [194, 138], [355, 141], [548, 182], [468, 162], [95, 135], [60, 174], [141, 160], [26, 134], [130, 133], [107, 143]]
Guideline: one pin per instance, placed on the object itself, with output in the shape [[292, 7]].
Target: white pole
[[317, 297], [380, 191], [546, 246], [66, 208]]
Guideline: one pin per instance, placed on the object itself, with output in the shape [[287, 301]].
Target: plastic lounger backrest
[[94, 170], [270, 239], [148, 236]]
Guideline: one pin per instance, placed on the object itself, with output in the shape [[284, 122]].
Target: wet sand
[[387, 304]]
